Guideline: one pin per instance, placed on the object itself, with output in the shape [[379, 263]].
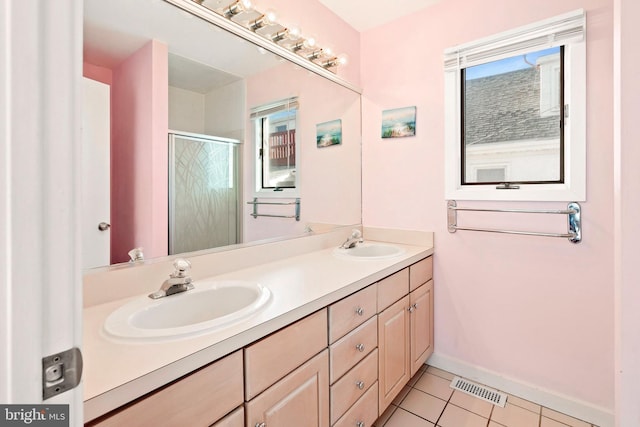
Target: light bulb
[[309, 42], [294, 32], [327, 51], [271, 17], [343, 59]]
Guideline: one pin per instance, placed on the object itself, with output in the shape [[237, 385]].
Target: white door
[[96, 148], [41, 283]]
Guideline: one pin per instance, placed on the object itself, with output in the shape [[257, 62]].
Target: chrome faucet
[[353, 240], [136, 255], [177, 282]]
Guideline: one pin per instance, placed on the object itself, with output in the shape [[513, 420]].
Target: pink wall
[[139, 153], [627, 204], [537, 310]]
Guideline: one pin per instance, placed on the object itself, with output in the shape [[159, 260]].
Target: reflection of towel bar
[[255, 204], [574, 231]]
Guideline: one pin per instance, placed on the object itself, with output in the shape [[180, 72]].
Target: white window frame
[[568, 30], [265, 111]]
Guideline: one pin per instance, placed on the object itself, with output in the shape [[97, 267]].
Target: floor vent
[[479, 391]]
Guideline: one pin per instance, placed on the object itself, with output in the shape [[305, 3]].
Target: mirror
[[166, 72]]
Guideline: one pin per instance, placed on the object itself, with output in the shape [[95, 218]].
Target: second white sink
[[370, 251], [210, 305]]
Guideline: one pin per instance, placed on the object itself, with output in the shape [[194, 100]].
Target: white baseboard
[[552, 400]]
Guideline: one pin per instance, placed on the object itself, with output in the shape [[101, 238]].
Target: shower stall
[[204, 192]]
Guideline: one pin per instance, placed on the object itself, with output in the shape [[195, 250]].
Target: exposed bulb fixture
[[314, 55], [308, 43], [268, 18], [236, 7], [334, 62], [276, 33], [291, 33]]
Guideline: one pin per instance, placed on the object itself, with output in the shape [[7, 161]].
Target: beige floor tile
[[435, 386], [565, 419], [385, 416], [514, 400], [458, 417], [402, 418], [470, 403], [423, 405], [439, 372], [415, 378], [400, 397], [514, 416]]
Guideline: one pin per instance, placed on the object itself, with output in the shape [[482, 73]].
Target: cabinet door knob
[[360, 424], [411, 309], [360, 384], [360, 347], [359, 311], [104, 226], [261, 425]]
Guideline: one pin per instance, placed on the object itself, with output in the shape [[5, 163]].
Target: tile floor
[[428, 401]]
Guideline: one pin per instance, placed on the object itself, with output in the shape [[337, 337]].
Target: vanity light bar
[[304, 47]]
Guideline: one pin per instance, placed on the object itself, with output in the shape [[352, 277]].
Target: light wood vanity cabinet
[[405, 327], [341, 366]]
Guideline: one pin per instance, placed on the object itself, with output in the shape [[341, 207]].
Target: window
[[275, 136], [515, 114], [509, 117]]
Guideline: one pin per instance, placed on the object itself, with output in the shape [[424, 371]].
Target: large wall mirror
[[174, 106]]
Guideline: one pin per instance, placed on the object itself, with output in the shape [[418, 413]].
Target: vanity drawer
[[352, 348], [420, 273], [351, 312], [198, 399], [353, 385], [273, 357], [365, 411], [392, 288]]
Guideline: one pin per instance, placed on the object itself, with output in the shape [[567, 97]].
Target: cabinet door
[[393, 351], [301, 398], [421, 301]]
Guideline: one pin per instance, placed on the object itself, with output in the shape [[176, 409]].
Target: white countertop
[[117, 371]]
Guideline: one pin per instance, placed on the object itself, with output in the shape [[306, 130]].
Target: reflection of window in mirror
[[515, 114], [275, 142]]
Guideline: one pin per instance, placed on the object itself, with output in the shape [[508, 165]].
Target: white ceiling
[[366, 14]]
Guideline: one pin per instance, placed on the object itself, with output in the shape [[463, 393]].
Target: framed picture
[[329, 133], [399, 122]]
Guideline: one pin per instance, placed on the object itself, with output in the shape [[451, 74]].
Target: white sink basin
[[211, 304], [370, 251]]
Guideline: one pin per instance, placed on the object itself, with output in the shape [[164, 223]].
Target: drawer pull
[[360, 347], [360, 424], [360, 384], [359, 311]]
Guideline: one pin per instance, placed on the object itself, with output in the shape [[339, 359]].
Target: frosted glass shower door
[[204, 192]]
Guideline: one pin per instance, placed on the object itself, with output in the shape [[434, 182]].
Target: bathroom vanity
[[336, 343]]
